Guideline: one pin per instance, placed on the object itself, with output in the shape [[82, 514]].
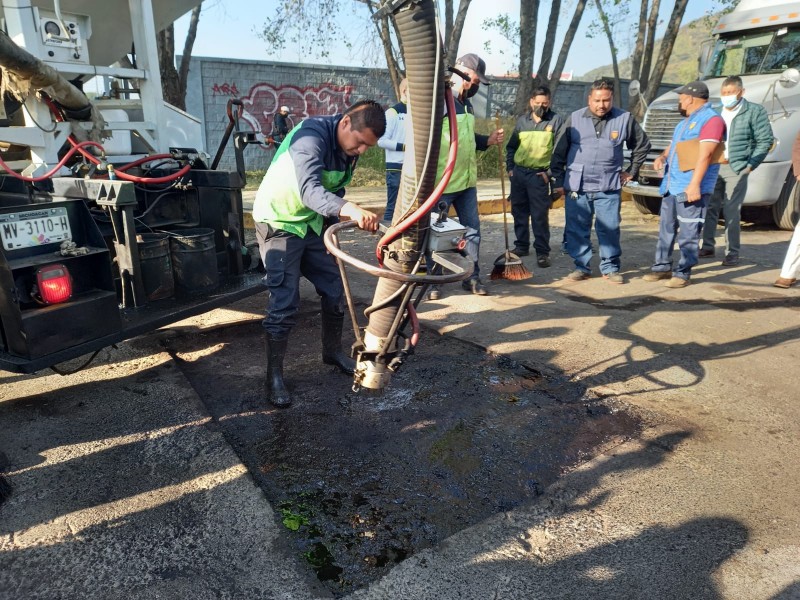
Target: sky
[[226, 30]]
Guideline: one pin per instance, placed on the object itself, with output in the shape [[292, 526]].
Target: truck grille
[[659, 124]]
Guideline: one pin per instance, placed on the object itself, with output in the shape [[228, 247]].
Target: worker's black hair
[[733, 80], [604, 83], [541, 90], [367, 114]]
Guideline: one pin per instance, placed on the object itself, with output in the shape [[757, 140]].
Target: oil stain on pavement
[[361, 481]]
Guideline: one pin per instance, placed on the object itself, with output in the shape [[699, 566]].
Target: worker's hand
[[693, 193], [511, 174], [366, 220], [658, 163], [496, 137], [625, 177], [559, 191]]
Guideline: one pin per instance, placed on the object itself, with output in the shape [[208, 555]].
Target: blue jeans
[[605, 208], [681, 221], [392, 187], [465, 203], [286, 257]]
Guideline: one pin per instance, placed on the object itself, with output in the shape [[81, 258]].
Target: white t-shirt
[[727, 116]]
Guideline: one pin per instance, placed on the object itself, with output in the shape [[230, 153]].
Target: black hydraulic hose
[[418, 31]]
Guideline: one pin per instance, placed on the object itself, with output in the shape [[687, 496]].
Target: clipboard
[[689, 150]]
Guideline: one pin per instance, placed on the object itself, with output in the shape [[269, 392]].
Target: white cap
[[284, 109]]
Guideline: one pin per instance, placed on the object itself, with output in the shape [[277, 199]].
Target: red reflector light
[[54, 283]]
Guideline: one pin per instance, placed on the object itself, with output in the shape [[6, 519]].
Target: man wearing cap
[[587, 165], [686, 193], [280, 125], [461, 191], [749, 138]]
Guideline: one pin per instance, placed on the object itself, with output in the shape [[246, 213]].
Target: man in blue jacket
[[690, 173], [749, 140]]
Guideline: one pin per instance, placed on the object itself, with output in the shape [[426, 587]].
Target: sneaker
[[578, 275], [615, 277], [434, 293], [706, 252], [520, 251], [543, 260], [657, 275], [475, 286], [676, 282], [784, 282], [730, 260]]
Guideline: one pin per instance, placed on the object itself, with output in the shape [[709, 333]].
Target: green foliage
[[292, 520]]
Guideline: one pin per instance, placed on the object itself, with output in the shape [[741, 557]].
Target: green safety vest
[[535, 149], [279, 201], [465, 174]]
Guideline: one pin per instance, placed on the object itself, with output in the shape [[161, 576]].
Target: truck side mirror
[[789, 78], [704, 58]]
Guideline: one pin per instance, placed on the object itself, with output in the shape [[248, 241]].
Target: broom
[[508, 265]]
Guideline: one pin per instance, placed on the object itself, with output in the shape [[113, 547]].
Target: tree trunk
[[549, 41], [527, 23], [455, 34], [383, 29], [636, 59], [649, 44], [569, 36], [612, 47], [667, 43], [173, 81]]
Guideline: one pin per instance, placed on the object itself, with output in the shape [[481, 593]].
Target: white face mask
[[729, 101]]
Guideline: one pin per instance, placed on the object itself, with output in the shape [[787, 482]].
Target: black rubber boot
[[274, 386], [332, 353]]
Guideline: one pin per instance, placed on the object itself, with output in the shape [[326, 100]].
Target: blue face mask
[[729, 101]]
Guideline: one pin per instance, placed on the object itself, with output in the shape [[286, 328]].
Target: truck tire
[[647, 205], [786, 209]]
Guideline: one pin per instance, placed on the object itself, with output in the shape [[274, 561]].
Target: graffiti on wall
[[263, 100], [225, 89]]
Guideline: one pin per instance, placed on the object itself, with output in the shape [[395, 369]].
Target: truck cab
[[760, 42]]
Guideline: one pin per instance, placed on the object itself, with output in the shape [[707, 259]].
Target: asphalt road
[[125, 486]]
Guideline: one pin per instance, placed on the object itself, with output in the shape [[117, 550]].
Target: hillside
[[682, 65]]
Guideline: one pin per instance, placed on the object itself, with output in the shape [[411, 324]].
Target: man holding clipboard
[[691, 166]]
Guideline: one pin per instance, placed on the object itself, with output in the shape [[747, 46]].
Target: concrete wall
[[311, 90]]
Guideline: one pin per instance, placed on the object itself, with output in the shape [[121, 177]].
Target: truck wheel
[[647, 205], [786, 209]]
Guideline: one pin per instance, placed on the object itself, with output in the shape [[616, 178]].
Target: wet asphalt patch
[[361, 481]]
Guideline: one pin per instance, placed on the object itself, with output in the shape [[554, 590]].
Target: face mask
[[539, 111], [729, 101], [472, 90]]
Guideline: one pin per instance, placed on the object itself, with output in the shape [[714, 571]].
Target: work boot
[[274, 387], [332, 353]]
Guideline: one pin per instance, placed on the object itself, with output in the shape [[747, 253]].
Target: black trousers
[[530, 209]]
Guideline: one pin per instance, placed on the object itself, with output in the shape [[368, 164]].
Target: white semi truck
[[760, 42]]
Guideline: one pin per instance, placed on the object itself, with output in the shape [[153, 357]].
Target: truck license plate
[[34, 228]]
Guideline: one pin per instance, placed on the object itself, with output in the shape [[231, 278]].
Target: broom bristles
[[514, 272]]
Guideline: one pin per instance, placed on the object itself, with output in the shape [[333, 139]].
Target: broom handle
[[502, 178]]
